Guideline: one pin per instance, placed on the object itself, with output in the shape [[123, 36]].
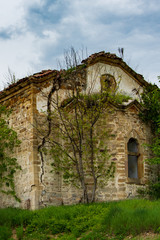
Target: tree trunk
[[94, 190], [85, 193], [82, 179], [92, 166]]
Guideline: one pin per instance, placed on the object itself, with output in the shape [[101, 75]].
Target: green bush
[[19, 232], [67, 237], [5, 233], [36, 236], [132, 217], [95, 221], [15, 217], [152, 191]]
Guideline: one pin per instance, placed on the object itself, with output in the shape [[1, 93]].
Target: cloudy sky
[[35, 33]]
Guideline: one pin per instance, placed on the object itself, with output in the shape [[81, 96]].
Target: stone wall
[[122, 124], [21, 99], [36, 185], [21, 119], [125, 124]]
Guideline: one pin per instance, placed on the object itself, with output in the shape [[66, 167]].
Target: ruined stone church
[[28, 102]]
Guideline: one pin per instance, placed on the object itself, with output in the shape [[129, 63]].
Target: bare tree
[[74, 139]]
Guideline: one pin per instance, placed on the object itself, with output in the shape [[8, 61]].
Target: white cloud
[[19, 54], [37, 40], [23, 54], [51, 36], [12, 13], [115, 7]]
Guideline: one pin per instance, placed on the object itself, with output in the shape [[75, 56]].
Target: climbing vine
[[8, 164], [151, 115]]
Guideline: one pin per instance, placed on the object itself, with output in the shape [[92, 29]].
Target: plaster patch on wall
[[125, 83], [41, 99]]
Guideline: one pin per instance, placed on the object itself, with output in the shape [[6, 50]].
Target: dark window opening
[[133, 158], [132, 166], [107, 82]]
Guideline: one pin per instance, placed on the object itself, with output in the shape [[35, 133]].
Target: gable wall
[[125, 83]]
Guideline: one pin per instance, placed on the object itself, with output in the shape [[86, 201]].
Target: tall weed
[[5, 232], [15, 217], [86, 221], [132, 217]]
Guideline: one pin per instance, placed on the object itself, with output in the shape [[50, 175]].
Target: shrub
[[152, 191], [19, 232], [5, 233], [15, 217], [96, 221], [132, 217]]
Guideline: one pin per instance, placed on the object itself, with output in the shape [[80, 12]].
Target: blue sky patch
[[5, 34]]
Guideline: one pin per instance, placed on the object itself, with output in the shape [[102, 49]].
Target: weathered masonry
[[36, 185]]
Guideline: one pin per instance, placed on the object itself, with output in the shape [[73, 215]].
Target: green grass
[[87, 222]]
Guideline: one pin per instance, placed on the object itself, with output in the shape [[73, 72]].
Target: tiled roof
[[44, 73], [29, 79], [100, 54], [96, 57]]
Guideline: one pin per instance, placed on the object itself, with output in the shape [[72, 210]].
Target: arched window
[[107, 82], [133, 154]]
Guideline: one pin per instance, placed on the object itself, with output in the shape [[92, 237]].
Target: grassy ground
[[130, 219]]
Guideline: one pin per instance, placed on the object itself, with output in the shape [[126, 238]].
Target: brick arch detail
[[134, 134]]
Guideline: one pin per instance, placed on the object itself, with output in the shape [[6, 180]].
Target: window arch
[[107, 82], [133, 154]]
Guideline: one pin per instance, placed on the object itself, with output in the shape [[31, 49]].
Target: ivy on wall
[[8, 164], [151, 115]]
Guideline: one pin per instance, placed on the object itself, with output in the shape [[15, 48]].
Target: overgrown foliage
[[8, 164], [77, 134], [151, 115], [151, 191], [76, 142], [98, 221]]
